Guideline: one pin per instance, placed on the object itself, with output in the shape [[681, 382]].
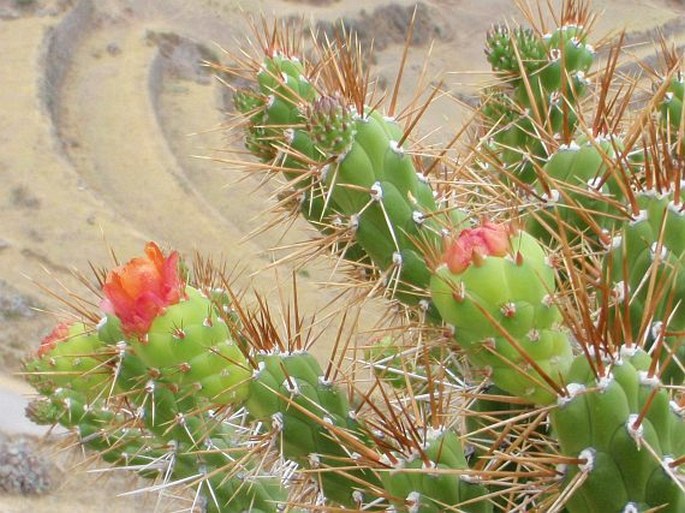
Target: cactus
[[169, 355], [350, 165], [541, 363], [495, 288], [543, 80], [619, 424], [71, 356], [644, 265], [581, 190], [275, 390], [175, 357]]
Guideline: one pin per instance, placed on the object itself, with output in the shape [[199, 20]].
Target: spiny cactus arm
[[581, 193], [72, 356], [160, 418], [510, 50], [162, 439], [436, 478], [179, 361], [543, 81], [643, 264], [163, 356], [99, 429], [314, 425], [620, 431], [496, 287], [353, 168]]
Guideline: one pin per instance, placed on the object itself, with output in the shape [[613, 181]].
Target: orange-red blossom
[[140, 290]]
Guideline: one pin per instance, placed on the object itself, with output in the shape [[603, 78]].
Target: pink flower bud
[[59, 333], [474, 244]]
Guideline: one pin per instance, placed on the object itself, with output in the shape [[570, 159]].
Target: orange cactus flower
[[474, 244], [140, 290], [58, 334]]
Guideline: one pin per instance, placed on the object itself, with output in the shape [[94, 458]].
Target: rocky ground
[[104, 111]]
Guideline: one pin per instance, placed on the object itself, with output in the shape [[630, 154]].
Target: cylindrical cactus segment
[[313, 421], [561, 76], [580, 191], [100, 429], [349, 165], [205, 446], [164, 357], [300, 132], [495, 288], [446, 488], [569, 57], [625, 434], [545, 79], [160, 433], [513, 135], [646, 271], [285, 77], [191, 346]]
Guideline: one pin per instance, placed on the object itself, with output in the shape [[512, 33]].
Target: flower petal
[[140, 290]]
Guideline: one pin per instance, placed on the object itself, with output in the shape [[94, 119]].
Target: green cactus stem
[[71, 356], [495, 288], [543, 82], [644, 265], [581, 193], [671, 107], [625, 433], [353, 169], [443, 488]]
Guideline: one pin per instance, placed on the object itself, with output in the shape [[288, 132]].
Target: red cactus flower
[[473, 244], [140, 290], [59, 333]]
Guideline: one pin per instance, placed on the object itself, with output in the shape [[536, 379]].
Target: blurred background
[[110, 134]]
